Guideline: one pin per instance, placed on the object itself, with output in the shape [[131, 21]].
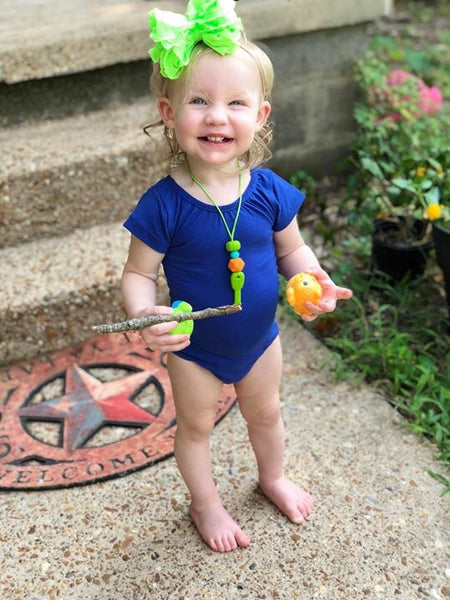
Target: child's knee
[[263, 416], [195, 429]]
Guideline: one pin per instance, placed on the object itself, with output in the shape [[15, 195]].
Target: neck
[[219, 193], [211, 176]]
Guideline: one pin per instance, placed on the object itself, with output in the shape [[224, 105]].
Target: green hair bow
[[213, 22]]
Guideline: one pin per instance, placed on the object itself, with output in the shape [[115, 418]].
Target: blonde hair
[[259, 151]]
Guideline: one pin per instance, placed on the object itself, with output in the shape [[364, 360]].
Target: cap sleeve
[[289, 200], [150, 220]]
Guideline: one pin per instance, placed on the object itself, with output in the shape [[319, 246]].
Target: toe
[[229, 544], [242, 539], [297, 518], [218, 545], [304, 510]]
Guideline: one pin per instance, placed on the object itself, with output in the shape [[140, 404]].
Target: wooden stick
[[141, 323]]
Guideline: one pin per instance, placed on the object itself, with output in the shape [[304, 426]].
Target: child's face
[[222, 109]]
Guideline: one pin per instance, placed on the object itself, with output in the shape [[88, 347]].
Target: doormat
[[98, 410]]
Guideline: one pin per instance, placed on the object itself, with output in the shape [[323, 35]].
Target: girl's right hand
[[157, 337]]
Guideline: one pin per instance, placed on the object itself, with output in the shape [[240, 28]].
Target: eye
[[236, 103], [197, 101]]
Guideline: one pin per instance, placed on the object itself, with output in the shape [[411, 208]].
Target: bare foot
[[294, 502], [218, 529]]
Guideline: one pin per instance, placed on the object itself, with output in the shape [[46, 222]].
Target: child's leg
[[196, 392], [258, 398]]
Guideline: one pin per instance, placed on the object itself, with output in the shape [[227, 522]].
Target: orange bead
[[303, 288], [236, 264]]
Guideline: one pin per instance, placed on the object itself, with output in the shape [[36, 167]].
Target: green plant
[[396, 339], [392, 339], [445, 482], [422, 46], [304, 181], [400, 156], [424, 12]]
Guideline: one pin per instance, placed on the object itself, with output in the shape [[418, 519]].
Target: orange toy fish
[[302, 288]]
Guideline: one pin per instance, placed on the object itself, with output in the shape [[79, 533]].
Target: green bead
[[237, 283], [237, 280], [183, 326], [233, 245]]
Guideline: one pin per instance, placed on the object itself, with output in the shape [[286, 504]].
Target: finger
[[323, 305], [174, 347], [328, 284], [343, 293], [162, 328], [306, 317], [314, 312], [174, 339], [170, 345], [166, 341], [161, 309]]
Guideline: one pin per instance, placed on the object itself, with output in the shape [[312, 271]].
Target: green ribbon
[[213, 22]]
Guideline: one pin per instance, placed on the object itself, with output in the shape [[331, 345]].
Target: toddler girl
[[223, 227]]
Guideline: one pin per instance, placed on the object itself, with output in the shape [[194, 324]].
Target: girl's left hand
[[331, 293]]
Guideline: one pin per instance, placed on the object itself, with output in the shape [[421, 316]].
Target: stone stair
[[67, 186], [73, 162], [73, 157]]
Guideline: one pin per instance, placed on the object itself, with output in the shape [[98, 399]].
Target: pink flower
[[398, 76], [429, 99]]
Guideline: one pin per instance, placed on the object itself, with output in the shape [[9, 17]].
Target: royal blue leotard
[[192, 237]]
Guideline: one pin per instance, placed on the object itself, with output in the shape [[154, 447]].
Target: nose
[[215, 114]]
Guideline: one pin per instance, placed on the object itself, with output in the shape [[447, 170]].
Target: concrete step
[[50, 38], [53, 291], [74, 94], [59, 175]]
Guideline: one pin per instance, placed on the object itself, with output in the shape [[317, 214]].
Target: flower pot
[[395, 256], [441, 238]]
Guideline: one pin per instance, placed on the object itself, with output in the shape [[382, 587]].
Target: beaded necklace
[[235, 263]]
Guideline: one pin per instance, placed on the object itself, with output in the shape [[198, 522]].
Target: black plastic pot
[[396, 257], [441, 238]]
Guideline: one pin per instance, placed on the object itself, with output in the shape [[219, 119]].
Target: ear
[[263, 114], [166, 112]]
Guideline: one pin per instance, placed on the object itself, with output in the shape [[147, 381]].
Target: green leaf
[[370, 165], [435, 164], [432, 196], [418, 61], [393, 191], [404, 184], [426, 184], [397, 55], [442, 480], [382, 41]]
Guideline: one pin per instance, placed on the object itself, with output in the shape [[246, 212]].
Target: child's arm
[[294, 256], [139, 294]]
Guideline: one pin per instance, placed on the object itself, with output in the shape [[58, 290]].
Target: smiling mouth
[[215, 139]]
